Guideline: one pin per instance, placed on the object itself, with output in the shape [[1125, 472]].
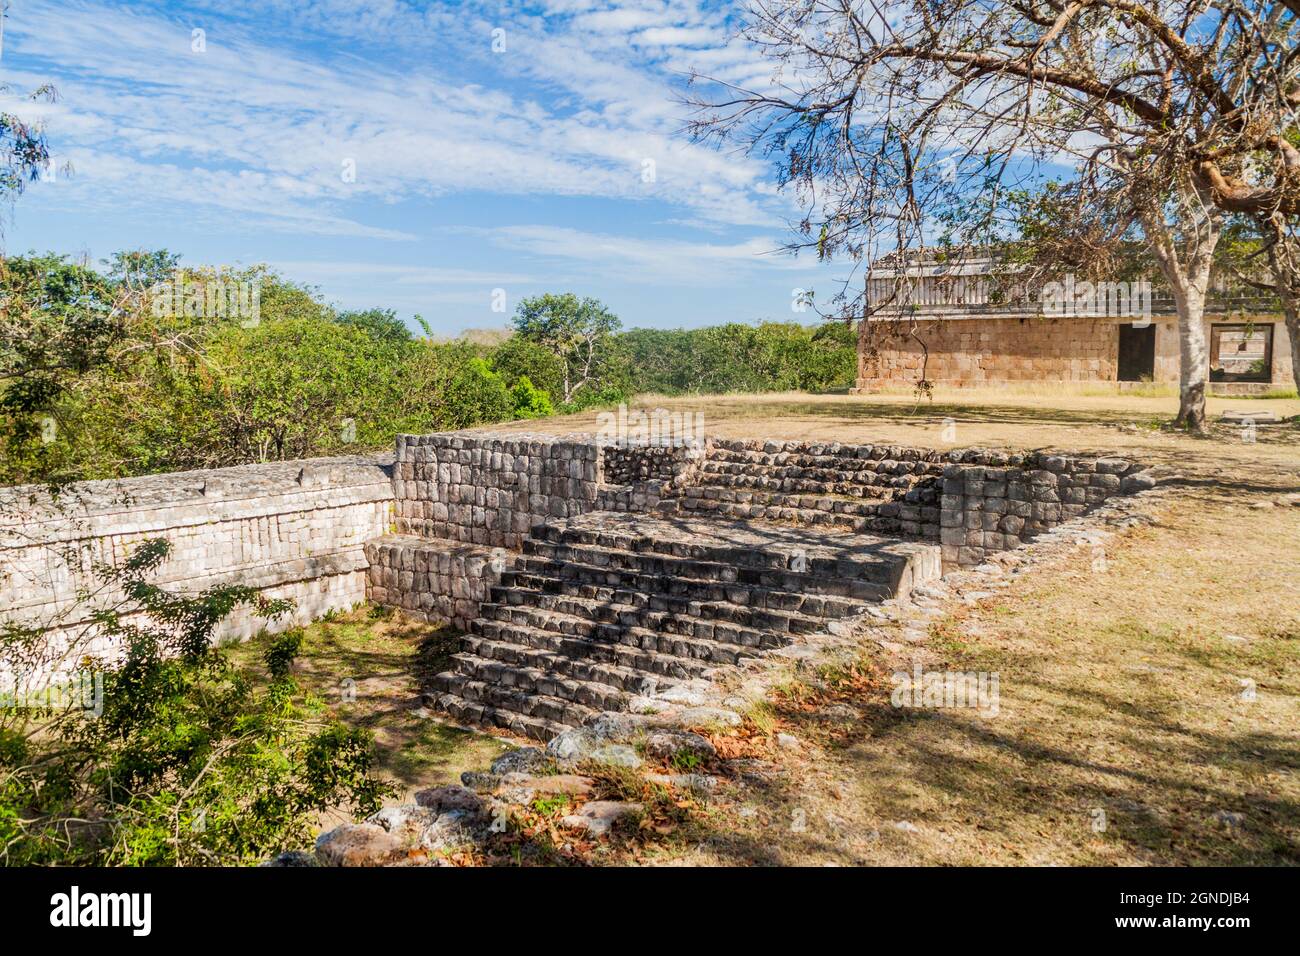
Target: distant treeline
[[104, 375], [771, 356]]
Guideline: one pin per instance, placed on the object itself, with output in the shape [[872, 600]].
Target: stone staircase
[[864, 488], [603, 608], [589, 577]]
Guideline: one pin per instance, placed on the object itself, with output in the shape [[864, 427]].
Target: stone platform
[[833, 554], [592, 576]]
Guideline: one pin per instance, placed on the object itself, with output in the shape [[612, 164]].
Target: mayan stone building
[[972, 328]]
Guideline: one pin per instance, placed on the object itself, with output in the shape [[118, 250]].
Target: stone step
[[801, 486], [857, 581], [544, 574], [769, 552], [881, 459], [812, 502], [842, 463], [534, 646], [720, 649], [773, 512], [589, 691], [672, 615], [501, 697], [601, 607], [864, 474], [486, 715]]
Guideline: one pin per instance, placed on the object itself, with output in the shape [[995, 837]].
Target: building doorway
[[1137, 353], [1241, 353]]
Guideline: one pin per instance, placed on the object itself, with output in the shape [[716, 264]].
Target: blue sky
[[553, 162]]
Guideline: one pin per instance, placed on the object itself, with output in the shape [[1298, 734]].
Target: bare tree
[[906, 124], [1239, 62]]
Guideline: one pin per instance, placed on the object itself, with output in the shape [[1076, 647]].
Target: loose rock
[[697, 782], [521, 788], [616, 755], [522, 760], [406, 820], [599, 817], [359, 844], [448, 799], [480, 781], [665, 745]]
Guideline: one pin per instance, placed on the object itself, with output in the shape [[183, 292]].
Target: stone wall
[[625, 465], [434, 579], [1000, 501], [972, 501], [419, 532], [292, 529], [491, 490], [983, 351]]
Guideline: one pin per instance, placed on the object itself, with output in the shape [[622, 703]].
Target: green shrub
[[518, 357], [771, 356], [530, 401], [477, 396], [190, 760]]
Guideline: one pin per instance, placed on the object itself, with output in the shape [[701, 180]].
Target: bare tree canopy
[[912, 123]]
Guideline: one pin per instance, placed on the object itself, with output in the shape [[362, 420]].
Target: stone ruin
[[586, 578]]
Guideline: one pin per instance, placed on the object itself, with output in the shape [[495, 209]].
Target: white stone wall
[[293, 529]]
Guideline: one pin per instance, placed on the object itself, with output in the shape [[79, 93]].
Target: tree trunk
[[863, 338], [1291, 311], [1193, 359], [1187, 270]]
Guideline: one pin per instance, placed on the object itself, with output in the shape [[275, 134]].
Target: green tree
[[478, 396], [519, 357], [291, 388], [58, 321], [735, 357], [383, 324], [24, 150], [142, 267], [576, 331]]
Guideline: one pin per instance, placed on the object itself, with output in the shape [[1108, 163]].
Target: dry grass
[[1122, 692], [963, 417]]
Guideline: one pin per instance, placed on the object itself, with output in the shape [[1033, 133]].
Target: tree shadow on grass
[[1179, 814], [370, 671]]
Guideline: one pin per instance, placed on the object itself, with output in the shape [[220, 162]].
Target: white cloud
[[649, 260], [266, 130], [403, 275]]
